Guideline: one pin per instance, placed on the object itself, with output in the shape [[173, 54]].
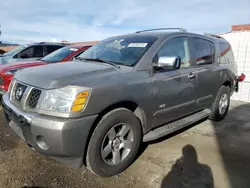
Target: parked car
[[29, 52], [122, 91], [64, 54]]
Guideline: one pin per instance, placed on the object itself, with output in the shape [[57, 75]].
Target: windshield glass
[[60, 54], [123, 50], [14, 51]]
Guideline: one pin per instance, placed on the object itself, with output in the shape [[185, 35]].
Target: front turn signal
[[80, 101]]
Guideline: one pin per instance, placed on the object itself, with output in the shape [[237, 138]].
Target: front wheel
[[114, 143], [221, 104]]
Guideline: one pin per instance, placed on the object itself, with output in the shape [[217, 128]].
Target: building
[[239, 38], [4, 49]]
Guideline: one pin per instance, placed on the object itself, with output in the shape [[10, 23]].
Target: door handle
[[191, 76]]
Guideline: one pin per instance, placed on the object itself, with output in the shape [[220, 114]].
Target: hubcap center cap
[[116, 143]]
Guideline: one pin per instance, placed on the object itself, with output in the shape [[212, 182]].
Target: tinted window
[[203, 51], [38, 51], [176, 47], [51, 48], [226, 53], [60, 54], [34, 51], [123, 50]]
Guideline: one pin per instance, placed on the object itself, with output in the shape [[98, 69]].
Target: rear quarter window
[[226, 53]]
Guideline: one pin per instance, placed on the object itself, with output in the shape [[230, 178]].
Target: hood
[[17, 65], [63, 74]]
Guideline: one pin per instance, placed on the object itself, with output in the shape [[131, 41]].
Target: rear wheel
[[114, 143], [221, 105]]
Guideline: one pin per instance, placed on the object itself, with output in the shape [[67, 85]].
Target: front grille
[[34, 97], [24, 96], [1, 80], [19, 91]]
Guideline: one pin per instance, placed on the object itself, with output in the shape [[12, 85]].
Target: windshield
[[123, 50], [60, 54], [14, 51]]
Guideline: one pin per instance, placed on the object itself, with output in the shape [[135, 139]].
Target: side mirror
[[168, 62]]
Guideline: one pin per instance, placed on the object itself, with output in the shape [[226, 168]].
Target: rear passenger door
[[208, 74], [50, 48]]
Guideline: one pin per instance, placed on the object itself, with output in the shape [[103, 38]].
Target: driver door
[[174, 89]]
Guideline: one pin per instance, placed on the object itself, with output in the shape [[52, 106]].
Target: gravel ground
[[208, 154]]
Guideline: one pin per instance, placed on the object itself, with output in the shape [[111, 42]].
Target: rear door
[[208, 73], [174, 90], [50, 48]]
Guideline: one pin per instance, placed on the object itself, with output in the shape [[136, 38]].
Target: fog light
[[41, 142]]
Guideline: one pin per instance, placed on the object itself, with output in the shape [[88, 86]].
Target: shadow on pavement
[[233, 138], [188, 172]]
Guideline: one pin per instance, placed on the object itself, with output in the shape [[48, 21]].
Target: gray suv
[[125, 90]]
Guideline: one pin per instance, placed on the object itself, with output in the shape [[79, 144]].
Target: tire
[[96, 161], [216, 114]]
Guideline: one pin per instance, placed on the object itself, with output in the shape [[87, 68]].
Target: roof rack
[[213, 35], [180, 29]]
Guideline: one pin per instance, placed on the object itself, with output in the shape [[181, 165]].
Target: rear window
[[226, 53]]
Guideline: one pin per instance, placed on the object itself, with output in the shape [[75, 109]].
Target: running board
[[171, 127]]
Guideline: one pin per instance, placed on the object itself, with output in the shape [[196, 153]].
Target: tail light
[[242, 77]]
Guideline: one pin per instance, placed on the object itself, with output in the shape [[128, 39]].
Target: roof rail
[[180, 29], [213, 35]]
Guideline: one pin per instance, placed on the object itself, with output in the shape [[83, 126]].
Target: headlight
[[65, 100]]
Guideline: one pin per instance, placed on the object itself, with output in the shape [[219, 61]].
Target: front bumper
[[62, 138]]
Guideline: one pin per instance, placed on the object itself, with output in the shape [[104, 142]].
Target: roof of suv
[[161, 33]]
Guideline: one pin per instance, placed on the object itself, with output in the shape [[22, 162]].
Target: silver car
[[29, 52]]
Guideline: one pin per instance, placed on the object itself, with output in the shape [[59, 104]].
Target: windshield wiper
[[102, 61], [80, 58]]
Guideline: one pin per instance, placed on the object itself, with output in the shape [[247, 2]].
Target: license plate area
[[18, 123], [17, 129]]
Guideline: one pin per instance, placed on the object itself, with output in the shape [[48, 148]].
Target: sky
[[87, 20]]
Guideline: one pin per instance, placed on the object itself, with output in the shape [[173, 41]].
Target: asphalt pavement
[[205, 155]]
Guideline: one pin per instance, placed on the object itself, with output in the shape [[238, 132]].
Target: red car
[[64, 54]]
